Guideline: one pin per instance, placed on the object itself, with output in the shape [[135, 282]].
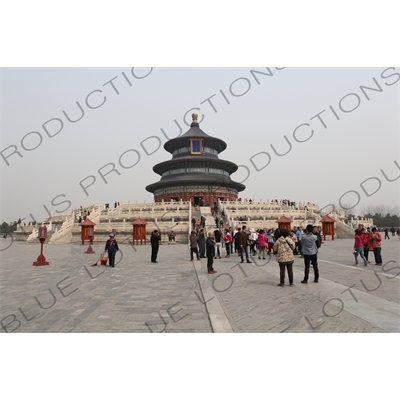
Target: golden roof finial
[[194, 117]]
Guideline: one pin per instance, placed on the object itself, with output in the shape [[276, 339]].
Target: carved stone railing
[[60, 235], [33, 236]]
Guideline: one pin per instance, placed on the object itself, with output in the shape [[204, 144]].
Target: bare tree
[[380, 209]]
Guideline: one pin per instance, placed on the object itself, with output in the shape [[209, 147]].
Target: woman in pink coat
[[359, 247], [262, 244]]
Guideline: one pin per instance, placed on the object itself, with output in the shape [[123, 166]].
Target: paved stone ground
[[135, 296], [70, 295], [254, 303]]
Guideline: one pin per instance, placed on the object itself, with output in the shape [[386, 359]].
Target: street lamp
[[41, 260]]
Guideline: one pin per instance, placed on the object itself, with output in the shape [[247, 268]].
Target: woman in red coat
[[227, 240]]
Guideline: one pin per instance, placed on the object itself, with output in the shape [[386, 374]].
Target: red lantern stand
[[139, 231], [87, 233], [328, 227], [41, 260], [284, 223]]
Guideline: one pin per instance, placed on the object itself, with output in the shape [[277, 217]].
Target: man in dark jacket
[[210, 250], [217, 238], [202, 243], [112, 248], [193, 239], [318, 235], [243, 244], [236, 238], [155, 242]]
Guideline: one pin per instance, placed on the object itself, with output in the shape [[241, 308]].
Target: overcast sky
[[255, 110]]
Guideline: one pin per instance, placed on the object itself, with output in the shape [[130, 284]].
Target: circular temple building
[[195, 172]]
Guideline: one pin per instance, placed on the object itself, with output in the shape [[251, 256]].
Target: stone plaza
[[76, 294], [177, 295]]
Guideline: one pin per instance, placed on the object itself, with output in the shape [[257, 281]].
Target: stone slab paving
[[346, 299], [177, 295], [135, 296]]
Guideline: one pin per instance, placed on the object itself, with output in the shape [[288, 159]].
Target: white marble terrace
[[176, 216]]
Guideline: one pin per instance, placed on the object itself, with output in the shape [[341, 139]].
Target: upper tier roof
[[198, 162], [196, 133]]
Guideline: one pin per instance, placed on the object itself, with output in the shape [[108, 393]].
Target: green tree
[[9, 228]]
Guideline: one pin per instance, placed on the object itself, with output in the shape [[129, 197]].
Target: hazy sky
[[355, 133]]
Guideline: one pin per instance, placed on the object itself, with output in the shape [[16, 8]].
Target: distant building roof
[[139, 221], [284, 219]]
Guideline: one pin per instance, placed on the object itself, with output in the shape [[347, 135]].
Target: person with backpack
[[253, 237]]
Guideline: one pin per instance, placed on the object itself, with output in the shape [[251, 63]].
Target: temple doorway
[[198, 201]]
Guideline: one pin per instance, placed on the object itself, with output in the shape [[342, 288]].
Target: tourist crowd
[[244, 243], [285, 244]]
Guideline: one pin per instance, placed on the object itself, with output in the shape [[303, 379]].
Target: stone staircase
[[210, 220], [344, 231], [65, 233], [33, 236], [196, 213]]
